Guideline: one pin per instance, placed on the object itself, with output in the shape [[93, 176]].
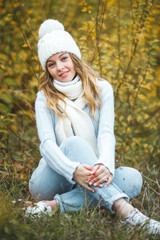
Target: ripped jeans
[[46, 184]]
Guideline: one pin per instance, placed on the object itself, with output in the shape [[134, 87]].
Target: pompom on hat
[[54, 39]]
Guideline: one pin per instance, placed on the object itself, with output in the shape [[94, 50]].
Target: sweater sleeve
[[49, 150], [106, 138]]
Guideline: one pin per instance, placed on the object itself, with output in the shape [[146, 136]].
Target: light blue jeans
[[46, 184]]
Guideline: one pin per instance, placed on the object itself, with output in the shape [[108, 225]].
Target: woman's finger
[[94, 170], [109, 181], [88, 167], [101, 178], [99, 182], [100, 175], [97, 170], [87, 187]]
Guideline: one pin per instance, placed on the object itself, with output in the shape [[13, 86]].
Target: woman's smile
[[64, 74]]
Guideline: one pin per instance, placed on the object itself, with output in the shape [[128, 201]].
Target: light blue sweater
[[104, 129]]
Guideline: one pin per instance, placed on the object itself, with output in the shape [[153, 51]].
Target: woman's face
[[61, 67]]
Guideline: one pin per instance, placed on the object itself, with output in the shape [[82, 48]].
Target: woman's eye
[[51, 65], [64, 58]]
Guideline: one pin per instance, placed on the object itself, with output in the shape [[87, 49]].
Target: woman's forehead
[[56, 56]]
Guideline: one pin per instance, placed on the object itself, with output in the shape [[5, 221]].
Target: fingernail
[[90, 183], [92, 172], [92, 190], [100, 185], [95, 184]]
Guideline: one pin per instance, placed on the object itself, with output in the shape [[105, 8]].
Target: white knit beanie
[[54, 39]]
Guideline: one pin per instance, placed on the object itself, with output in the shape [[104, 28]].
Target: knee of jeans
[[139, 181], [39, 194], [33, 192], [133, 174]]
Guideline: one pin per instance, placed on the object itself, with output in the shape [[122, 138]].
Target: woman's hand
[[100, 174], [82, 174]]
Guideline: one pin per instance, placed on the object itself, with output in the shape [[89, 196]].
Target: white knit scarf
[[78, 122]]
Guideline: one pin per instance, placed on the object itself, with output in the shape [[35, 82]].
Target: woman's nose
[[59, 65]]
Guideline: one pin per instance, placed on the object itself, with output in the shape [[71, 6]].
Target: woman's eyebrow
[[62, 54], [50, 60]]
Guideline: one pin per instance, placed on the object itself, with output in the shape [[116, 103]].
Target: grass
[[85, 224], [88, 224]]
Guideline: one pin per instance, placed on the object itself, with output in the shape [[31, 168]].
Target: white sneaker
[[137, 218], [40, 209]]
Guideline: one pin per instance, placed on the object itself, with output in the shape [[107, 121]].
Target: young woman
[[75, 122]]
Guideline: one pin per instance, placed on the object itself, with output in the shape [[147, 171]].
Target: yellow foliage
[[2, 66], [23, 55], [146, 116], [23, 175], [129, 118], [84, 9], [110, 3], [82, 3], [90, 7], [8, 17], [25, 45], [30, 11], [13, 127], [143, 98], [13, 56], [16, 4], [13, 22]]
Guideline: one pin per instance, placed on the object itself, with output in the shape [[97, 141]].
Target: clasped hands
[[87, 176]]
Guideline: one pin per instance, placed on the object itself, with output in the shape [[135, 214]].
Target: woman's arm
[[106, 138], [103, 170], [48, 147]]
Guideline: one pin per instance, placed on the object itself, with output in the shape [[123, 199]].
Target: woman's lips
[[64, 74]]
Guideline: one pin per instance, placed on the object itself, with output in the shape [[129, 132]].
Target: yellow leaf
[[13, 22], [25, 45], [18, 66], [34, 19], [110, 3], [143, 97], [2, 66], [6, 164], [156, 40], [90, 7], [30, 11], [139, 118], [84, 9], [129, 118], [23, 176], [146, 116], [13, 56], [81, 3], [13, 127]]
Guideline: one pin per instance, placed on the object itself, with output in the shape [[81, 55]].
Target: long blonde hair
[[88, 78]]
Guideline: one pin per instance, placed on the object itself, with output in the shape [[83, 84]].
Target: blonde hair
[[88, 78]]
